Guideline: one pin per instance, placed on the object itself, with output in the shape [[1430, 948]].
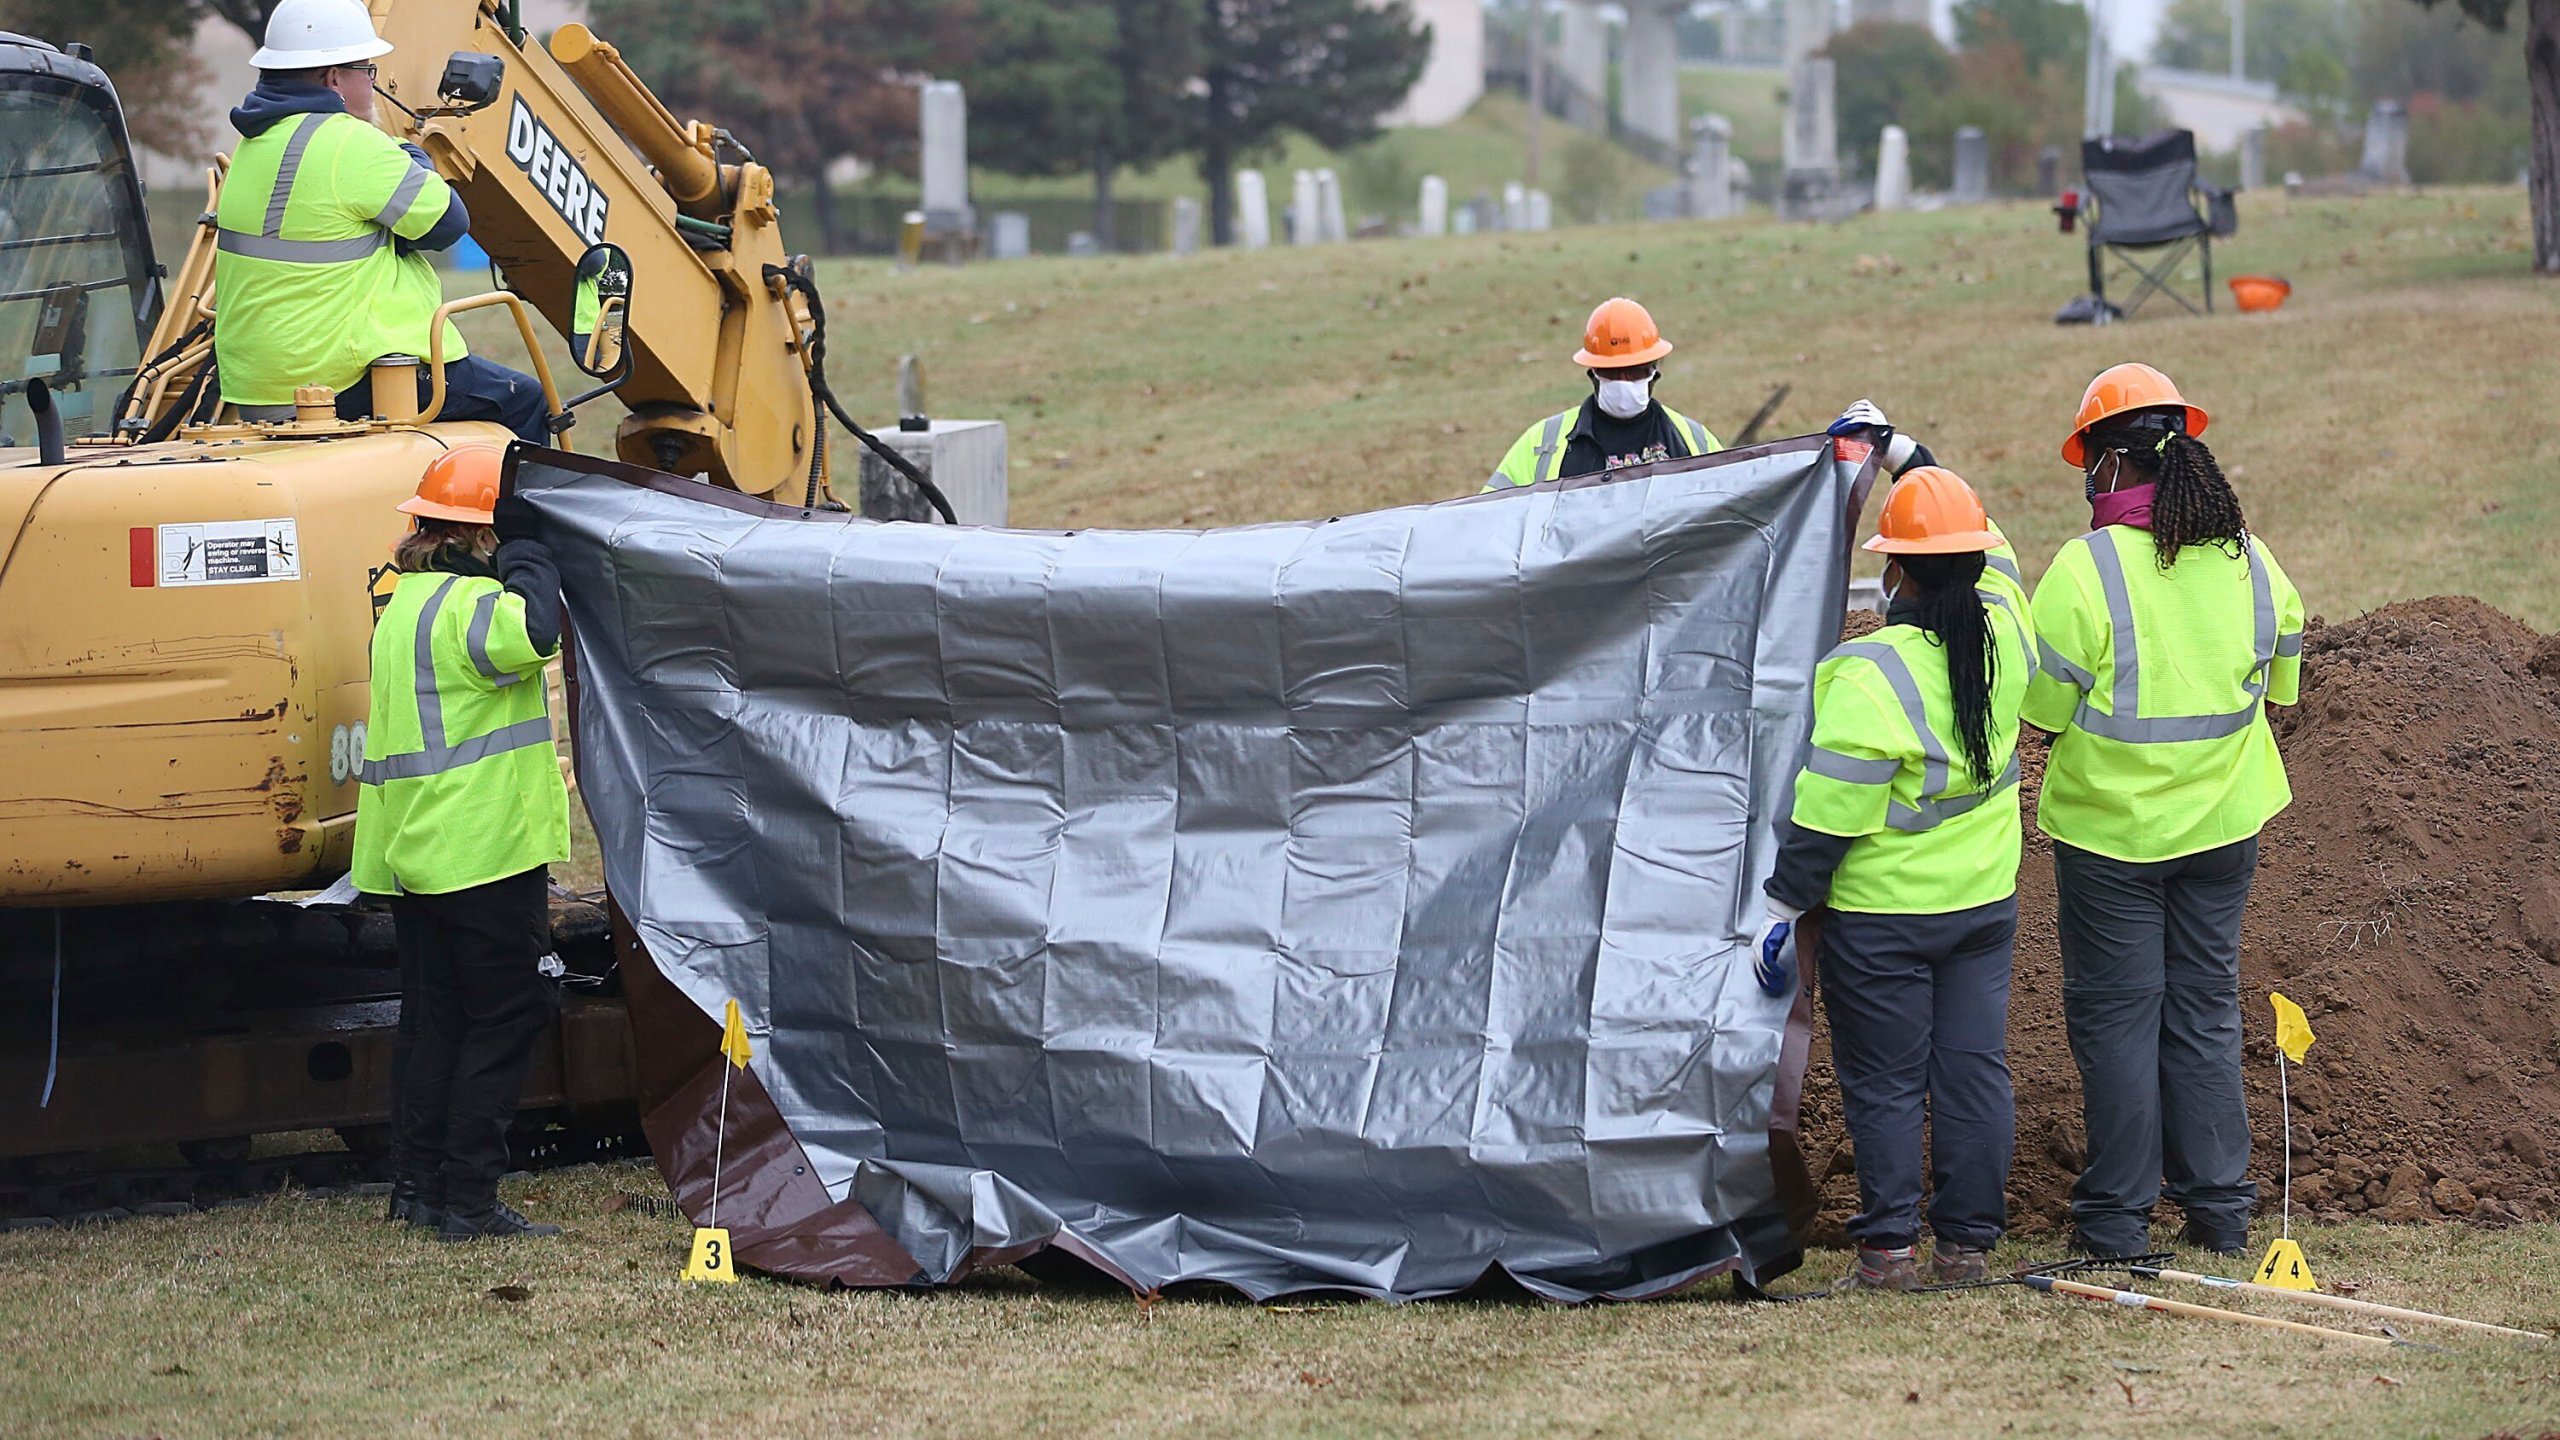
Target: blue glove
[[1773, 961]]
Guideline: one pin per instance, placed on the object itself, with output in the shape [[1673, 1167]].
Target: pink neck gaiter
[[2129, 506]]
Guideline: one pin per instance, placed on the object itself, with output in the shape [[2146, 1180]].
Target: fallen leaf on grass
[[1312, 1380], [1910, 1397], [2344, 1287], [2127, 1387], [512, 1294], [177, 1369], [2388, 1380]]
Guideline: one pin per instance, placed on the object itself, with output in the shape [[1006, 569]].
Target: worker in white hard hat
[[321, 233]]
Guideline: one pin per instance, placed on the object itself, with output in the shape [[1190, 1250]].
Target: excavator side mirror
[[470, 81], [600, 313]]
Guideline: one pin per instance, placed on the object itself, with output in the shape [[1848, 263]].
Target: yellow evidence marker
[[2285, 1269], [711, 1262]]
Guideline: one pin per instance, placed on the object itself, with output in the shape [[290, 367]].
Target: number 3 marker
[[711, 1261]]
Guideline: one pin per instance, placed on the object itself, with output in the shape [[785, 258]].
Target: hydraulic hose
[[796, 276]]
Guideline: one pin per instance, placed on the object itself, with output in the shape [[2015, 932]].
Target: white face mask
[[1625, 399]]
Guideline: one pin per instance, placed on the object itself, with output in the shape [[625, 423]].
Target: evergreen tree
[[1326, 69]]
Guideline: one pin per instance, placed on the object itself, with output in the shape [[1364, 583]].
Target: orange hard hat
[[1933, 512], [2120, 388], [1620, 333], [460, 484]]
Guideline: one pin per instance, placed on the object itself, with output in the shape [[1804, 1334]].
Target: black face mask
[[2143, 433]]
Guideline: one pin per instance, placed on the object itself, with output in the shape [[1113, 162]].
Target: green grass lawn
[[314, 1318], [1753, 97]]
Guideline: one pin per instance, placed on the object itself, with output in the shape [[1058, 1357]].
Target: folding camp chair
[[2142, 212]]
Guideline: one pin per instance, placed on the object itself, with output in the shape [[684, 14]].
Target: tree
[[144, 46], [1888, 74], [2046, 32], [2196, 34], [1061, 87], [802, 83], [1326, 69], [2542, 80]]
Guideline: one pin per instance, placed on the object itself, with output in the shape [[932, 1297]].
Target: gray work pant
[[1919, 1012], [2151, 995]]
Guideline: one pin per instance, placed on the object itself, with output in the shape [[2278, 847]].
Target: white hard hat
[[314, 34]]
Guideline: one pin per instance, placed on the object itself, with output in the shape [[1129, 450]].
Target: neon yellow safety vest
[[2155, 683], [1539, 452], [310, 289], [460, 783], [2000, 574], [1884, 770]]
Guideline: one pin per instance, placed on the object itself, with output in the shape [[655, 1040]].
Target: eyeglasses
[[364, 68]]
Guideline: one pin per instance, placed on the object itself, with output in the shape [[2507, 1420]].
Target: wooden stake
[[2135, 1300], [2338, 1302]]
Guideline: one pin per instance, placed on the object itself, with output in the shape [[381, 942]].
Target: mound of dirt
[[2409, 900]]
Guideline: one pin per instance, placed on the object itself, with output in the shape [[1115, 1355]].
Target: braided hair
[[1953, 615], [2192, 502]]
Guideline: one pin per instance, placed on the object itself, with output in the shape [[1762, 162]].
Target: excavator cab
[[79, 292]]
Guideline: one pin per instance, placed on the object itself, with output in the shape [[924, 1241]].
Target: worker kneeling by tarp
[[1356, 905]]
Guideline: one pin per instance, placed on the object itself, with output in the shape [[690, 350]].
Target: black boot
[[411, 1205], [495, 1223]]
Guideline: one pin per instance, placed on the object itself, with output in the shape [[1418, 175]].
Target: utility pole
[[1538, 85], [2098, 117]]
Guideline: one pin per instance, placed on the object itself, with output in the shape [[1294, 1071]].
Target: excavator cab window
[[601, 313], [79, 293]]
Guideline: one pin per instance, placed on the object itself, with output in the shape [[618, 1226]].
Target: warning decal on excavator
[[229, 552], [539, 154]]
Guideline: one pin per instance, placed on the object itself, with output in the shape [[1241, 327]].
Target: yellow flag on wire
[[733, 1037], [2293, 1028]]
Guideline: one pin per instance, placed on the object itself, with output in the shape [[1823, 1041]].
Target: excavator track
[[186, 1055]]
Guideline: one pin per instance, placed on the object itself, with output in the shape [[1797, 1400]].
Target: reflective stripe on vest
[[1697, 435], [269, 243], [439, 757], [1936, 805], [2125, 721], [2005, 566], [1994, 597], [1550, 444]]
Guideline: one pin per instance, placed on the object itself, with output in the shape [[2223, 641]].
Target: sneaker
[[1895, 1269], [495, 1223], [1954, 1264]]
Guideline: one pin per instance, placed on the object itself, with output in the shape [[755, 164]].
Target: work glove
[[1773, 953], [514, 518], [1901, 452]]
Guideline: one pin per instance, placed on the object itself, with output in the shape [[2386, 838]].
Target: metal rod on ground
[[2135, 1300], [2334, 1302]]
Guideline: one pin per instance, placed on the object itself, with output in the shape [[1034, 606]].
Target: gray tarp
[[1354, 905]]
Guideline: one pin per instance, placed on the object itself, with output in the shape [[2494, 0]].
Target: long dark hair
[[2191, 502], [453, 546], [1953, 615]]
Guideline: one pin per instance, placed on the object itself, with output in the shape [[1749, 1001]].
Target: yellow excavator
[[186, 595]]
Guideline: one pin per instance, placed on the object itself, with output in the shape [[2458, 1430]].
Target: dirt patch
[[2409, 900]]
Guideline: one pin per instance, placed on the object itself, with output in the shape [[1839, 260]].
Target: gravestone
[[942, 133], [2253, 159], [2386, 144], [1515, 206], [1435, 206], [1012, 238], [1539, 212], [1812, 142], [1711, 168], [1305, 223], [1893, 169], [2049, 172], [1809, 24], [1462, 221], [1973, 165], [1082, 245], [1253, 211], [1330, 227], [1186, 225]]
